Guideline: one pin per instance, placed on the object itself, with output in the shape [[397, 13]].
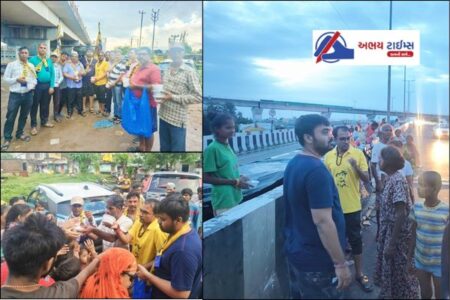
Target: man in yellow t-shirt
[[145, 236], [99, 80], [348, 166]]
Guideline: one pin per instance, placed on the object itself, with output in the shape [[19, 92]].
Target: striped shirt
[[184, 85], [117, 70], [431, 222]]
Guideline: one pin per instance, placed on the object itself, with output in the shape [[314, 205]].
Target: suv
[[159, 180], [56, 198]]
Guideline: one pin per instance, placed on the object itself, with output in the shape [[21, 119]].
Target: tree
[[85, 160], [168, 161], [121, 159], [123, 49]]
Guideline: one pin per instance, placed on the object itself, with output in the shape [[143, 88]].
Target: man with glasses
[[181, 88], [348, 166], [44, 88]]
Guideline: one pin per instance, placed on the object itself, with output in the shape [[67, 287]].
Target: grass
[[17, 185]]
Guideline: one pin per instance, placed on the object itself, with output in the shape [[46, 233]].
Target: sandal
[[6, 145], [33, 131], [91, 110], [364, 283], [24, 138]]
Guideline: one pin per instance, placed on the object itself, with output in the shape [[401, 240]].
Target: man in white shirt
[[114, 209], [58, 80], [21, 78]]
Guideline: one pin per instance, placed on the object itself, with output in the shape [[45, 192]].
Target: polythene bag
[[141, 290], [136, 116]]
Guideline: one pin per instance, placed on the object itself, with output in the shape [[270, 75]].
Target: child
[[194, 210], [430, 218], [86, 253]]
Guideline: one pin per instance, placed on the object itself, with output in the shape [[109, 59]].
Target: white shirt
[[376, 152], [58, 74], [125, 224], [407, 169], [13, 72]]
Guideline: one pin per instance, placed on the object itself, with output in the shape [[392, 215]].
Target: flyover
[[28, 23], [259, 105]]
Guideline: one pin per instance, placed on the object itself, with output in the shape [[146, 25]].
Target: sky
[[120, 21], [262, 50]]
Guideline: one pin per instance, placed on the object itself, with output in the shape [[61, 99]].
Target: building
[[28, 23]]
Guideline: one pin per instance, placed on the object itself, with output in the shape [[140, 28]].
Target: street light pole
[[142, 19], [389, 70]]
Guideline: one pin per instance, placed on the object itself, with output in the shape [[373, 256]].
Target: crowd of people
[[76, 83], [141, 248], [323, 189]]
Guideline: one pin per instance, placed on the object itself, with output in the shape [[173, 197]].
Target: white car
[[159, 180], [440, 131]]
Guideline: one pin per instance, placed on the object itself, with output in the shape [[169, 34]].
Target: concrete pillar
[[270, 141], [258, 139], [235, 144], [250, 141], [257, 114], [243, 145]]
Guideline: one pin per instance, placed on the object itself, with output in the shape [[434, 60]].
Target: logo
[[366, 47], [336, 41]]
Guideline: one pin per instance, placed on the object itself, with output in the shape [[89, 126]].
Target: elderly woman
[[393, 259], [73, 72], [113, 277]]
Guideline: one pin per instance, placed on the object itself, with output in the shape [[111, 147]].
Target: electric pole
[[155, 17], [142, 19], [389, 70]]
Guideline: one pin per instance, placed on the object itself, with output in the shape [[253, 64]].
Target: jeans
[[41, 100], [108, 100], [17, 101], [171, 138], [56, 102], [74, 100], [312, 285], [117, 96], [63, 99]]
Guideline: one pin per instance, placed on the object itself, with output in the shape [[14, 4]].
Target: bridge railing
[[243, 142]]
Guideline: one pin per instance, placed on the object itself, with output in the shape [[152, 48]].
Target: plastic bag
[[136, 116], [141, 290]]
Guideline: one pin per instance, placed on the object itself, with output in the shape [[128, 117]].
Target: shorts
[[435, 270], [87, 89], [353, 231], [100, 93]]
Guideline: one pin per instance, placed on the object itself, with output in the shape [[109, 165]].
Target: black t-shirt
[[181, 264], [61, 289]]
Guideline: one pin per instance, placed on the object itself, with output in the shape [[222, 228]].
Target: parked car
[[159, 180], [441, 130], [56, 198]]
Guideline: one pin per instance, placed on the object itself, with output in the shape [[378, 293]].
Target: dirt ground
[[79, 134]]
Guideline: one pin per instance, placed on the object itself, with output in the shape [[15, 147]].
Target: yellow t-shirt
[[346, 178], [151, 240], [100, 71]]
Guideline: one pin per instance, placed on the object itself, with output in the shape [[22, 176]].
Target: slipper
[[364, 283], [33, 131], [91, 110], [6, 145], [24, 138]]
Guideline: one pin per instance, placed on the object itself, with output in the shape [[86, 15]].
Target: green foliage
[[85, 160], [228, 108], [17, 185], [123, 49], [154, 161]]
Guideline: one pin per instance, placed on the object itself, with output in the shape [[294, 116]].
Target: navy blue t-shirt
[[181, 264], [309, 185]]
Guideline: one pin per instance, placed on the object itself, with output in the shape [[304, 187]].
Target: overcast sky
[[120, 20], [262, 50]]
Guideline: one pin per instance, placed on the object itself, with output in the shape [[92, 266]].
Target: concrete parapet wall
[[243, 256]]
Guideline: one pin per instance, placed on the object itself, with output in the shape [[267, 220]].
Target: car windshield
[[181, 181], [97, 205]]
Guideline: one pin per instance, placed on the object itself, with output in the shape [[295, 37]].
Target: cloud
[[442, 78]]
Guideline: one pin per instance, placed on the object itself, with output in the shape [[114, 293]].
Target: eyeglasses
[[344, 139]]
